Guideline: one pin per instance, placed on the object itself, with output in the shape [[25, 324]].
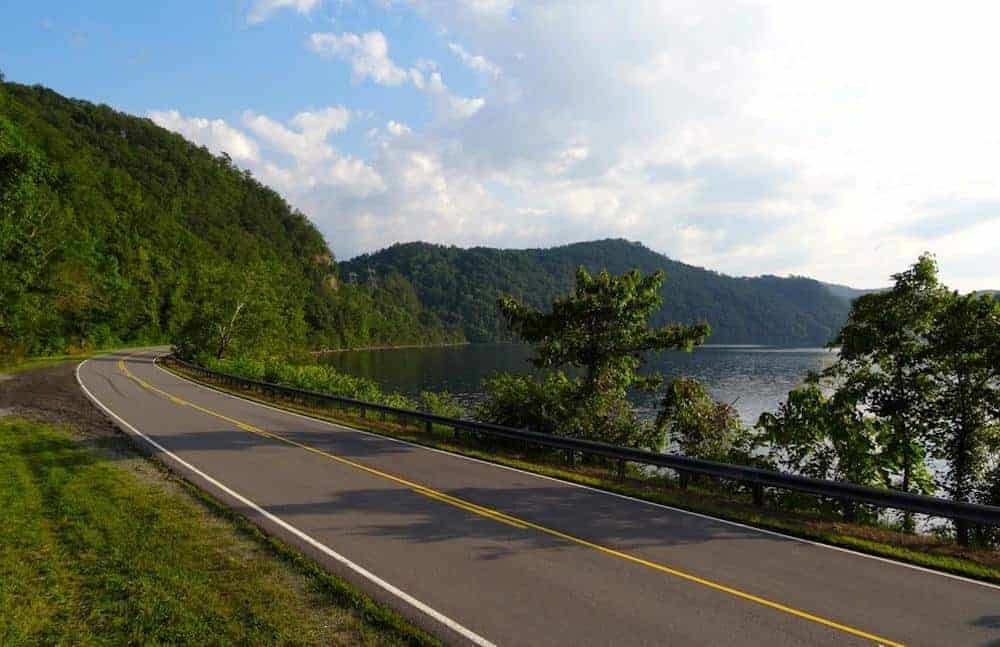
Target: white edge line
[[654, 504], [360, 570]]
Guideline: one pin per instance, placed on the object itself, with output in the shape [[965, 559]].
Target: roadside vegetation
[[917, 379], [800, 516], [97, 550], [115, 231]]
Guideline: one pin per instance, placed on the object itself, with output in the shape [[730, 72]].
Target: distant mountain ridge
[[849, 293], [461, 287]]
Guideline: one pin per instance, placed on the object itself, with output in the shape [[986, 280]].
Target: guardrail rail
[[849, 494]]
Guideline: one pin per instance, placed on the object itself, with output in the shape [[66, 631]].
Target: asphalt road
[[481, 554]]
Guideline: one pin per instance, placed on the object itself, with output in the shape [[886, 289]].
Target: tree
[[602, 329], [964, 356], [700, 425], [248, 308], [29, 226], [828, 438], [882, 362]]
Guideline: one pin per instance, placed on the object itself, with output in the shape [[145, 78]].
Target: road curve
[[482, 554]]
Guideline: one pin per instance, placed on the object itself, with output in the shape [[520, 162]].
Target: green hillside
[[109, 223], [461, 286]]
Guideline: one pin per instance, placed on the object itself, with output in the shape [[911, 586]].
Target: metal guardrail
[[847, 493]]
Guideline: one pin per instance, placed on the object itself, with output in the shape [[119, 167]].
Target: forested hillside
[[462, 285], [114, 230]]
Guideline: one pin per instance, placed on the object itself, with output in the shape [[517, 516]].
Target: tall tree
[[882, 362], [250, 309], [964, 354], [602, 329], [828, 437]]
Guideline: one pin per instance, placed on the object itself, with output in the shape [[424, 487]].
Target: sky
[[832, 140]]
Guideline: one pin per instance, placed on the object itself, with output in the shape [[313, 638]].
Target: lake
[[757, 378]]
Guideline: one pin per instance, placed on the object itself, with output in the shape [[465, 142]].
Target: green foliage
[[964, 368], [703, 427], [310, 377], [881, 362], [544, 405], [441, 404], [462, 286], [113, 229], [253, 310], [601, 327], [828, 438]]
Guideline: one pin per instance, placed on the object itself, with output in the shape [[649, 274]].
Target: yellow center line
[[502, 517]]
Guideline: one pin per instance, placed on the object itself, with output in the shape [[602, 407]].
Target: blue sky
[[756, 137]]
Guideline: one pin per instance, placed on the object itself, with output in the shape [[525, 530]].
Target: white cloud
[[213, 134], [307, 143], [262, 9], [757, 137], [473, 62], [397, 128], [368, 55], [296, 157]]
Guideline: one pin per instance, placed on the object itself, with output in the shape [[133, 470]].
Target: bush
[[310, 377], [441, 404]]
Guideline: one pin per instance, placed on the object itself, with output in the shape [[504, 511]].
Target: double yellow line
[[509, 520]]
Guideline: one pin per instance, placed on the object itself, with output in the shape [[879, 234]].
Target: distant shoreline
[[328, 351]]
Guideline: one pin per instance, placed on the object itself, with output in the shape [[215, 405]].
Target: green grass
[[96, 553], [882, 541], [31, 363]]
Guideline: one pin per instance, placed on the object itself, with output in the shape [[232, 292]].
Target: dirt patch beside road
[[51, 394]]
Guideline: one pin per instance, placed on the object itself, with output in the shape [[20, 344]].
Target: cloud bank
[[753, 137]]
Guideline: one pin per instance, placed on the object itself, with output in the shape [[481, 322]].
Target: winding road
[[482, 554]]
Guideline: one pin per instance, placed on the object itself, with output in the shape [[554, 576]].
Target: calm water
[[757, 378]]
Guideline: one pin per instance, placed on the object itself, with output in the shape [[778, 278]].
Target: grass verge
[[96, 550], [32, 363], [881, 541]]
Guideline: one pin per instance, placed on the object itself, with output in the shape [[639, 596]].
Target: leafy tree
[[601, 329], [700, 425], [964, 354], [881, 363], [248, 309], [828, 438]]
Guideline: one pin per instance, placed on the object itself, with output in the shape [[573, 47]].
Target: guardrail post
[[570, 457], [683, 477], [428, 426], [620, 470], [850, 511], [758, 494], [962, 532]]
